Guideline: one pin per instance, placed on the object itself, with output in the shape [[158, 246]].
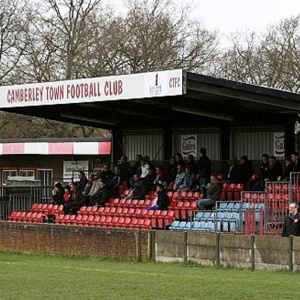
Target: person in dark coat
[[292, 222], [163, 199], [204, 166], [81, 183], [245, 170], [57, 194], [172, 168], [288, 168], [103, 194]]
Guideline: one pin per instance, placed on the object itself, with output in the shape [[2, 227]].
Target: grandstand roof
[[163, 99]]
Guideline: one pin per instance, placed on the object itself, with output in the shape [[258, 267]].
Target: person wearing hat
[[57, 194], [162, 201]]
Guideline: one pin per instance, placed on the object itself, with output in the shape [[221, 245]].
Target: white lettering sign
[[188, 145], [71, 167], [279, 149], [134, 86]]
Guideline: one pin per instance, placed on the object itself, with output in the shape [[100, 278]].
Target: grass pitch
[[24, 276]]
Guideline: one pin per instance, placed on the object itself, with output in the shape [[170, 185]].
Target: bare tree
[[272, 59], [154, 36], [13, 27], [70, 39]]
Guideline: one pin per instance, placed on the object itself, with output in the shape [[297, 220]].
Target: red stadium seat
[[76, 220], [14, 216], [133, 222], [96, 221]]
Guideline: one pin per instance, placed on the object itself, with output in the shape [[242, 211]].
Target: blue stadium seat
[[174, 225], [222, 205], [187, 226], [198, 216], [198, 226], [210, 226], [182, 225]]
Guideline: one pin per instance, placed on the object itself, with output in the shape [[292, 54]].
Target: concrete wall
[[254, 252]]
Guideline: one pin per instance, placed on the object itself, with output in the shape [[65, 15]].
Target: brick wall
[[77, 241]]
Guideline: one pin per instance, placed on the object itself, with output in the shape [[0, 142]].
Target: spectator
[[190, 181], [258, 183], [204, 166], [148, 161], [231, 170], [67, 194], [81, 183], [104, 193], [179, 178], [88, 185], [295, 160], [245, 170], [57, 194], [136, 192], [125, 171], [213, 193], [292, 222], [136, 168], [162, 201], [172, 169], [107, 174], [76, 200], [115, 182], [161, 177], [272, 173], [288, 168], [192, 164], [179, 160], [95, 186], [147, 184], [144, 168]]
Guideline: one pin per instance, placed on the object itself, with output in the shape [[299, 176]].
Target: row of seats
[[253, 197], [122, 202], [231, 191], [39, 213], [47, 209], [108, 221], [184, 196], [183, 210], [227, 217], [28, 217], [205, 226]]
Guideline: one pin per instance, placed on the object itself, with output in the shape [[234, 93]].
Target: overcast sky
[[231, 15]]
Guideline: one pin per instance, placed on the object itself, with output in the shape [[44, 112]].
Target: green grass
[[24, 276]]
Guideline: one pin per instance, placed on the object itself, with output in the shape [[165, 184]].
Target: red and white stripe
[[61, 148]]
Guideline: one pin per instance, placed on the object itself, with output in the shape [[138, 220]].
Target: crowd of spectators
[[142, 176]]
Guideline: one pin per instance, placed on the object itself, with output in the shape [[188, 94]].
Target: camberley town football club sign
[[133, 86]]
